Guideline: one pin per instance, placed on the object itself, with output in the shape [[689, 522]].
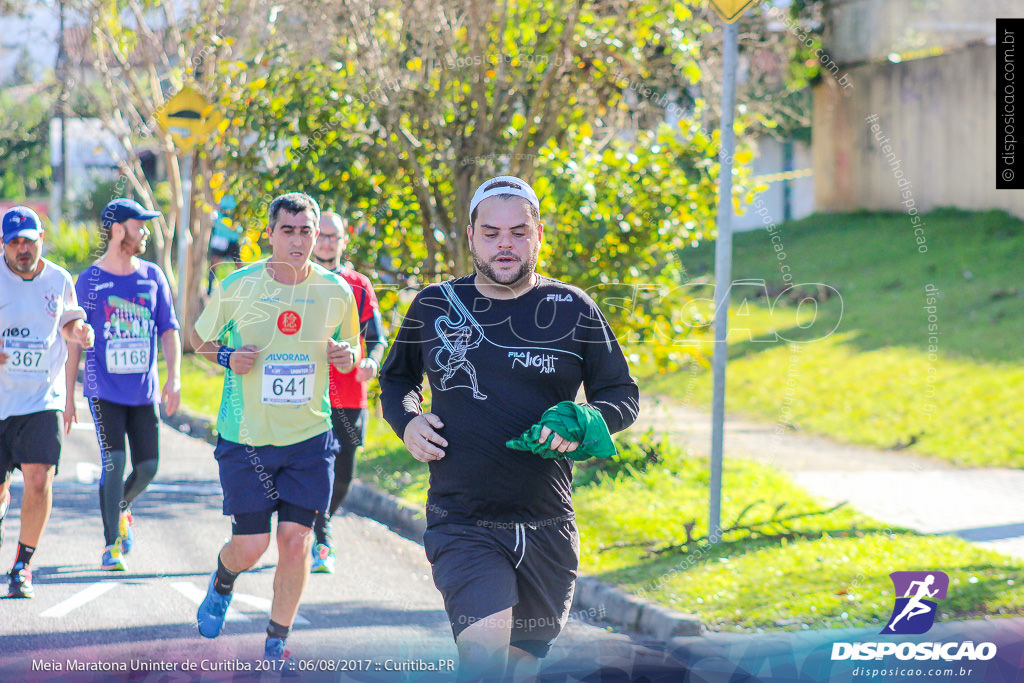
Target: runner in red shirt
[[348, 391]]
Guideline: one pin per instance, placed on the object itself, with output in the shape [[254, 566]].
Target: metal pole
[[62, 115], [183, 230], [723, 277]]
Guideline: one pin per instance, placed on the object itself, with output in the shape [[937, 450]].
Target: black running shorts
[[33, 439], [484, 569]]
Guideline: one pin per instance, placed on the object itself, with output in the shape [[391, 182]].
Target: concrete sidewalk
[[982, 505]]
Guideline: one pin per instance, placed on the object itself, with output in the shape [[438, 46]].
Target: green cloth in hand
[[571, 421]]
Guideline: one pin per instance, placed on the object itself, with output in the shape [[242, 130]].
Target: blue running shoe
[[21, 582], [124, 531], [323, 559], [112, 560], [274, 650], [212, 611]]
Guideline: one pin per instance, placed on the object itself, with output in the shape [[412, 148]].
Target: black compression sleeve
[[373, 333]]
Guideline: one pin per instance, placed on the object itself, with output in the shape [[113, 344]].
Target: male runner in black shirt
[[499, 347]]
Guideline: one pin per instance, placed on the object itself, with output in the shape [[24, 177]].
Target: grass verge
[[816, 571], [202, 383], [919, 351]]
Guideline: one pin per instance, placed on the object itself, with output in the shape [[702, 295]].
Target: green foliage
[[623, 210], [781, 63], [89, 206], [24, 143], [404, 118], [73, 245]]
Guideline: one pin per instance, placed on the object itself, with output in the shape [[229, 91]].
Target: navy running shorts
[[257, 478], [484, 569]]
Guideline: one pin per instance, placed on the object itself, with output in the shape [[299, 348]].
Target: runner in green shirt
[[275, 326]]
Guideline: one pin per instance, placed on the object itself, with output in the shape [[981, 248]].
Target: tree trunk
[[459, 242], [199, 229]]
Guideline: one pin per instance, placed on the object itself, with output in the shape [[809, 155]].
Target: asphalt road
[[378, 618]]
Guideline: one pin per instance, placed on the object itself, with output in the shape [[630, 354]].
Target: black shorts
[[249, 523], [115, 421], [33, 439], [482, 570], [349, 426]]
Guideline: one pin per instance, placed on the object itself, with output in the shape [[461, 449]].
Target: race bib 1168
[[128, 356]]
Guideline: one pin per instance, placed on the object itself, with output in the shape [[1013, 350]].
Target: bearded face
[[505, 241], [136, 233]]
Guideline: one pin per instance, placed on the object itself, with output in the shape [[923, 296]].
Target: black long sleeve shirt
[[494, 365]]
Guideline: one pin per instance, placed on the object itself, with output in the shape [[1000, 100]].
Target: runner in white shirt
[[38, 312]]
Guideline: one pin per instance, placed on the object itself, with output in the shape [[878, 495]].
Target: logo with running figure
[[916, 592]]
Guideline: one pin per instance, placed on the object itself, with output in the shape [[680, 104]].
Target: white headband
[[519, 188]]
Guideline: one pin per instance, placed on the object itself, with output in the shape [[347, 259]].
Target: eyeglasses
[[142, 228], [324, 236]]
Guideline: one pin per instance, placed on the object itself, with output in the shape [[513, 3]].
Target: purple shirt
[[129, 313]]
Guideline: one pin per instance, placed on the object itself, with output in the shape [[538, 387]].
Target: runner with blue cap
[[39, 315], [129, 301]]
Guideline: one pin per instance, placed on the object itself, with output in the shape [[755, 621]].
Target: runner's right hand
[[243, 358], [422, 441]]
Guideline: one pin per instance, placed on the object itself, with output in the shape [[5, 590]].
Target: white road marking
[[189, 590], [196, 595], [78, 599], [196, 489], [87, 472], [191, 488]]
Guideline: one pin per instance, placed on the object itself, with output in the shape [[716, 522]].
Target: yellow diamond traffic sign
[[188, 118], [730, 10]]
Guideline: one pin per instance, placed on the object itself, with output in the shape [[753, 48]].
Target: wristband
[[224, 356]]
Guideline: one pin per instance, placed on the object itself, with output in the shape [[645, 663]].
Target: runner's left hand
[[70, 413], [341, 355], [557, 443], [171, 396], [84, 335]]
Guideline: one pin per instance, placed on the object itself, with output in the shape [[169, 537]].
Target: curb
[[403, 519], [593, 598]]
